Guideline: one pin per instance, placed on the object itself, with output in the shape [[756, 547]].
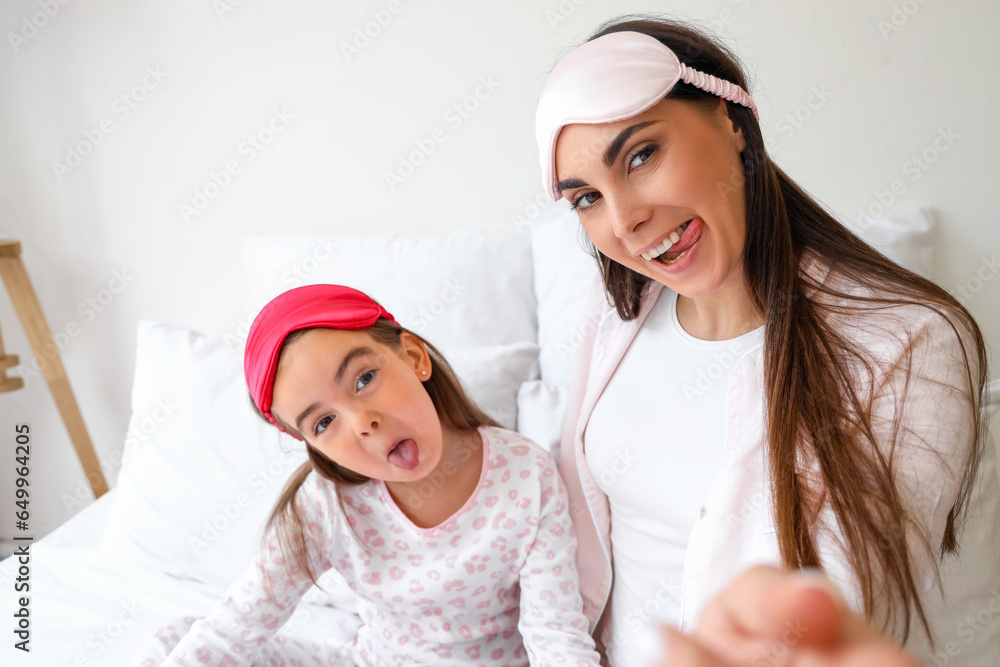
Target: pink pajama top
[[494, 585]]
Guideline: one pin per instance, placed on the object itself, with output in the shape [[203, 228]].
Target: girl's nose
[[368, 423]]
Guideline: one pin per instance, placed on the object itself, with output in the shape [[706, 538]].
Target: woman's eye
[[325, 421], [583, 202], [365, 379], [640, 158]]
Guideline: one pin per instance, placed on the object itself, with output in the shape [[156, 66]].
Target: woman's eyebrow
[[569, 183], [351, 356], [614, 148]]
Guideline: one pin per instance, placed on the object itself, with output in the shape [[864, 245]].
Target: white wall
[[223, 75]]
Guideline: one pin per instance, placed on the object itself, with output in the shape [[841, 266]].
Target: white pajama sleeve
[[552, 623], [237, 631], [932, 416]]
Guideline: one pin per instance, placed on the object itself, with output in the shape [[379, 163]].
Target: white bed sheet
[[91, 608]]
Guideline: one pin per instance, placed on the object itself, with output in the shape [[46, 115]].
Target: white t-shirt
[[653, 444]]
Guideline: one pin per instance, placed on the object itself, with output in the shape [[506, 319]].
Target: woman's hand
[[768, 617]]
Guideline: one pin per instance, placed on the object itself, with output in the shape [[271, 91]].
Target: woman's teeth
[[667, 243]]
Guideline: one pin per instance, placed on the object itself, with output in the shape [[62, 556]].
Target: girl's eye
[[578, 203], [645, 152], [317, 430], [365, 379]]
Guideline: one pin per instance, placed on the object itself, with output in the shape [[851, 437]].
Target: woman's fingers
[[678, 650], [766, 613], [771, 618]]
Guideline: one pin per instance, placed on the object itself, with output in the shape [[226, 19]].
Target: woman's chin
[[696, 280]]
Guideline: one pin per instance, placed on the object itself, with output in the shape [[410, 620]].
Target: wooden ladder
[[29, 311]]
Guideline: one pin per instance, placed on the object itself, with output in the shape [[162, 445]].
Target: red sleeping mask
[[330, 306]]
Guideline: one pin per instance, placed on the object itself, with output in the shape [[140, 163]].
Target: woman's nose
[[626, 215]]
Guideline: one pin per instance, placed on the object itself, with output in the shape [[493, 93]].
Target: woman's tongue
[[684, 243], [405, 455]]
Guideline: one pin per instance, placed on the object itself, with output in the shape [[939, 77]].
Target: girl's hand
[[770, 618]]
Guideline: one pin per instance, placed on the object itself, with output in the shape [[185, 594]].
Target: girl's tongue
[[404, 455]]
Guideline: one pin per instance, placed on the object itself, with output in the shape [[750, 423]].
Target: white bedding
[[92, 608]]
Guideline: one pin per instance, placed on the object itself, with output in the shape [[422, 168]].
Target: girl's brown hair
[[453, 406], [815, 413]]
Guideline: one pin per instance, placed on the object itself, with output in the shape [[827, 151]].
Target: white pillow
[[540, 407], [201, 471], [466, 289], [563, 269], [493, 375], [906, 237]]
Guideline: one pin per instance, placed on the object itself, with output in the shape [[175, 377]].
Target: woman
[[793, 397]]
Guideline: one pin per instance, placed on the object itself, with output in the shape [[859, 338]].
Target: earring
[[423, 372]]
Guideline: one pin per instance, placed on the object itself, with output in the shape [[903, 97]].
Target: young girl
[[454, 533]]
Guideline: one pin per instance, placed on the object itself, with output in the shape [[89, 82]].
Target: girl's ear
[[415, 353]]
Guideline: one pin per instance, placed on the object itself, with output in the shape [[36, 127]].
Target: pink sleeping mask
[[611, 78]]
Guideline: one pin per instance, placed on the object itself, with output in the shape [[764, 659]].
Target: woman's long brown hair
[[816, 412], [453, 406]]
